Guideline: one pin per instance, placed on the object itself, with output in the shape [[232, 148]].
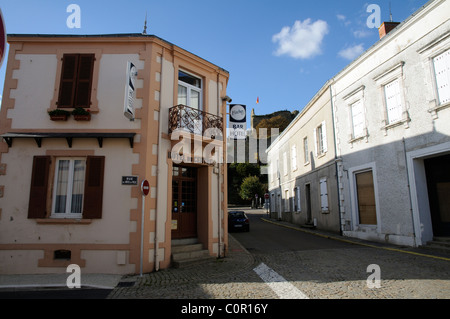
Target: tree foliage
[[250, 186], [278, 121]]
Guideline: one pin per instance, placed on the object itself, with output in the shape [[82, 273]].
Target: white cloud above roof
[[301, 41]]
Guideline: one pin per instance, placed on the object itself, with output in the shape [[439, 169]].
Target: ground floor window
[[77, 187], [69, 187]]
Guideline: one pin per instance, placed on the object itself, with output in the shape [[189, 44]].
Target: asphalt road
[[265, 238]]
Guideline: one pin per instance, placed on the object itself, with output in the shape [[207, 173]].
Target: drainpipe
[[158, 163], [336, 159], [219, 222]]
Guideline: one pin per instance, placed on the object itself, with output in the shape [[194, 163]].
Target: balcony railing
[[192, 120]]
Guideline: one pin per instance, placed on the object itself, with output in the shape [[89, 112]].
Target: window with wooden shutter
[[37, 207], [76, 81], [93, 197]]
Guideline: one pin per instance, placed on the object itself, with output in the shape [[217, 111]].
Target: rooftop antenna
[[390, 12], [145, 24]]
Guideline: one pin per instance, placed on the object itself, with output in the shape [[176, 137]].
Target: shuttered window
[[366, 198], [76, 81], [294, 157], [358, 119], [324, 195], [393, 101], [78, 187], [442, 73]]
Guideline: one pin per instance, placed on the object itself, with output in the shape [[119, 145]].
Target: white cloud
[[343, 19], [352, 52], [301, 41], [362, 33]]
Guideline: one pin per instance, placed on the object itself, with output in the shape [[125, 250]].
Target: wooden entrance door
[[438, 182], [184, 202]]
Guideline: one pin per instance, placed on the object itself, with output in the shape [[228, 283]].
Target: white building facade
[[391, 109]]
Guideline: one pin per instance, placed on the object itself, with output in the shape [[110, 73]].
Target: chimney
[[387, 27]]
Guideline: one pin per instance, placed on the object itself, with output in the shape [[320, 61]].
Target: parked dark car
[[238, 221]]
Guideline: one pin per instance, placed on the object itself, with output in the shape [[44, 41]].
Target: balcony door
[[190, 94], [184, 202]]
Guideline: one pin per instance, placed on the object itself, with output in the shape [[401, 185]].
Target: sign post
[[145, 188]]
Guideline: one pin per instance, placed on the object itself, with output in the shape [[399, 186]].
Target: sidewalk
[[136, 286]]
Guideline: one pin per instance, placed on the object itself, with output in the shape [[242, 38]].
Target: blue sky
[[280, 51]]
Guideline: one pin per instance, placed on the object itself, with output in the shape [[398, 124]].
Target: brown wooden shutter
[[37, 207], [84, 80], [68, 80], [93, 189]]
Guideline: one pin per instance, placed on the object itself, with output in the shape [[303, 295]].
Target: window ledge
[[63, 221], [436, 108], [405, 121], [359, 138]]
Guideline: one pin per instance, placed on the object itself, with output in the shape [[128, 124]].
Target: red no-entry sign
[[145, 187]]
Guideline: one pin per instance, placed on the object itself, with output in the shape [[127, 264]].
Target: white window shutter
[[324, 194], [393, 101], [442, 72], [324, 137], [299, 207], [357, 119]]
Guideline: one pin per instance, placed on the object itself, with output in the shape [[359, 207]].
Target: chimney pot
[[387, 27]]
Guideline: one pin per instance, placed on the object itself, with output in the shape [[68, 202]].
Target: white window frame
[[386, 78], [67, 213], [285, 164], [320, 140], [191, 88], [427, 53], [353, 99]]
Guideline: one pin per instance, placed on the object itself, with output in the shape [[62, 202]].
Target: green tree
[[250, 186]]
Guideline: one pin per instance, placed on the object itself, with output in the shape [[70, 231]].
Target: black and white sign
[[238, 121], [130, 91], [129, 180]]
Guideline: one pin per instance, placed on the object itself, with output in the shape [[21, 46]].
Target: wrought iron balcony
[[192, 120]]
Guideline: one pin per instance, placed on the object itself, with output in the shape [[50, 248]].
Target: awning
[[38, 137]]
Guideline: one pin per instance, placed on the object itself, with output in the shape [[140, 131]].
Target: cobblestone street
[[338, 273]]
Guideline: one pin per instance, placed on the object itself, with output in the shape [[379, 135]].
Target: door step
[[188, 252], [441, 244]]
